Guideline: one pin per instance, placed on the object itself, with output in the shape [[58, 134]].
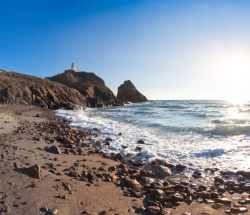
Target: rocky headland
[[127, 93], [70, 90], [17, 88], [92, 87]]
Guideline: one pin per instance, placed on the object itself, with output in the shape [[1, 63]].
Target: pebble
[[154, 210], [33, 171], [157, 194], [161, 171], [223, 200]]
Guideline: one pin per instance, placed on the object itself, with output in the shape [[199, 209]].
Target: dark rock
[[146, 181], [223, 200], [245, 174], [238, 209], [176, 197], [165, 211], [118, 157], [92, 87], [157, 185], [180, 167], [135, 185], [54, 150], [218, 180], [161, 171], [33, 171], [157, 194], [140, 142], [230, 184], [246, 187], [128, 93], [16, 88], [197, 174], [154, 210]]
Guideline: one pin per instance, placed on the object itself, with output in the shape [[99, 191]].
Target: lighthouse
[[72, 68]]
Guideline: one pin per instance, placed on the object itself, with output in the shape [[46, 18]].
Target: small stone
[[230, 184], [33, 171], [223, 200], [217, 205], [161, 171], [54, 150], [197, 174], [54, 211], [165, 211], [135, 185], [186, 213], [16, 165], [64, 197], [246, 187], [176, 197], [146, 181], [118, 157], [140, 142], [154, 210], [157, 194], [157, 185], [218, 180], [239, 209], [245, 174], [180, 167]]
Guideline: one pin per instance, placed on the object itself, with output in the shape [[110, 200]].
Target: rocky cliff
[[92, 87], [16, 88], [128, 93]]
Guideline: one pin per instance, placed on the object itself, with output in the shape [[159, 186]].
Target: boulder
[[128, 93]]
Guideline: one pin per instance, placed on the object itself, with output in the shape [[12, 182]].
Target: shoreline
[[70, 168]]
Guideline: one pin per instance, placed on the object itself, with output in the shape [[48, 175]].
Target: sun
[[233, 73]]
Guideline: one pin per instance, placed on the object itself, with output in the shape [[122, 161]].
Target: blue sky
[[190, 49]]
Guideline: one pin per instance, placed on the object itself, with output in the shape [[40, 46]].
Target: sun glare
[[233, 74]]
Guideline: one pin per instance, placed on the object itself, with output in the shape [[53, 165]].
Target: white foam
[[190, 148]]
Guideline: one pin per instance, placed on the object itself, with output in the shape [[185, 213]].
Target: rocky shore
[[48, 167]]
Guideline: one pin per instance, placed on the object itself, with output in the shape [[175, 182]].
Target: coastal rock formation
[[92, 87], [128, 93], [16, 88]]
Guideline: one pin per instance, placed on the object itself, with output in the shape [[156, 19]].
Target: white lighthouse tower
[[73, 67]]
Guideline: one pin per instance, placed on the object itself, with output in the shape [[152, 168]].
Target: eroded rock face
[[128, 93], [92, 87], [16, 88]]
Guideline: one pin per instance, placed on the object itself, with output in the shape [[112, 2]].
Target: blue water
[[199, 134]]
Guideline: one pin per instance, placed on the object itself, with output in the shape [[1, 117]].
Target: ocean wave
[[210, 153], [190, 135], [229, 130], [172, 107]]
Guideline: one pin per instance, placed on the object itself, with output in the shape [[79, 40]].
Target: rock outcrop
[[128, 93], [16, 88], [92, 87]]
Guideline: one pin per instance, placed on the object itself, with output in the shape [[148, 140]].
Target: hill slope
[[92, 87], [16, 88]]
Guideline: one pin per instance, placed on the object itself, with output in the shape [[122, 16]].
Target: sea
[[197, 133]]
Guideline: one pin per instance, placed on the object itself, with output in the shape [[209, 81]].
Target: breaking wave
[[196, 134]]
